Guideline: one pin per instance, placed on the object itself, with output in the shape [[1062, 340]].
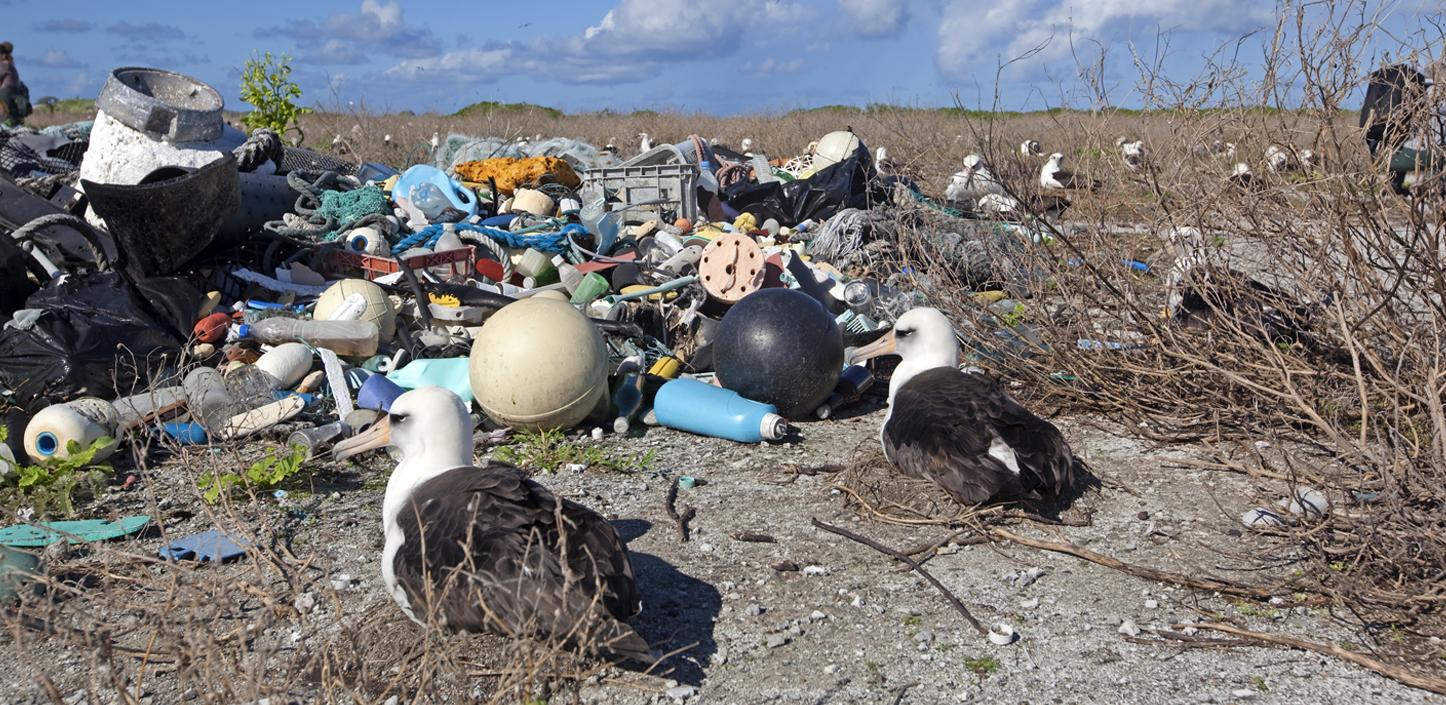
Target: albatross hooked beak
[[378, 436], [878, 348]]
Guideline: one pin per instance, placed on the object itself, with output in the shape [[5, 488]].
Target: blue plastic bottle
[[690, 405]]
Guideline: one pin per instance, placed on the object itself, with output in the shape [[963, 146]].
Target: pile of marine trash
[[163, 273]]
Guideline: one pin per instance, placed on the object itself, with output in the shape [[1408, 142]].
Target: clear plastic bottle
[[345, 338]]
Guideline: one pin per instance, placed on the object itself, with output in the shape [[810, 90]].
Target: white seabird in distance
[[973, 182], [1053, 175], [1132, 152], [486, 548], [961, 430], [1030, 148]]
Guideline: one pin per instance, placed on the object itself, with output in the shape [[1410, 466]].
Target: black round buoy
[[780, 347]]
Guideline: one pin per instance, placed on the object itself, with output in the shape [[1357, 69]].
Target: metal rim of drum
[[729, 280], [154, 116]]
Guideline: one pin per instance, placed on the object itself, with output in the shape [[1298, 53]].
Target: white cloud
[[629, 43], [971, 31], [471, 64], [57, 59], [349, 38], [877, 18], [773, 66]]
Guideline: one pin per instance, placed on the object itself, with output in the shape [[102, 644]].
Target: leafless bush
[[1319, 336]]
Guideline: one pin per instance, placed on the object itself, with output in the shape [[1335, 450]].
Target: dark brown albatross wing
[[943, 422], [487, 548]]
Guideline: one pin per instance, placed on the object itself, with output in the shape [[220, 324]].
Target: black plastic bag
[[15, 284], [95, 335], [851, 183], [1385, 111]]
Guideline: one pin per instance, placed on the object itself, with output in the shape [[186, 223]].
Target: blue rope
[[552, 242]]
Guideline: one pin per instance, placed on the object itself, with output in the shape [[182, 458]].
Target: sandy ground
[[849, 627]]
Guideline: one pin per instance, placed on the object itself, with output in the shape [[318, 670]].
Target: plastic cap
[[773, 427], [244, 330]]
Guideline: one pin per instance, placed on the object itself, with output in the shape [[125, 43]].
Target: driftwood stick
[[1223, 587], [1435, 684], [670, 503], [954, 601]]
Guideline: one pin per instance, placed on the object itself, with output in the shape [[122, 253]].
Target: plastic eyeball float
[[538, 364], [780, 347], [370, 301]]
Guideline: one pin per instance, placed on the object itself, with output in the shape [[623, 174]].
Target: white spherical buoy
[[531, 201], [351, 293], [538, 364], [834, 148]]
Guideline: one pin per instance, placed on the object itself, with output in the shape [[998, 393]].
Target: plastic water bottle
[[345, 338], [690, 405], [207, 397], [855, 380], [628, 398], [706, 179], [318, 438]]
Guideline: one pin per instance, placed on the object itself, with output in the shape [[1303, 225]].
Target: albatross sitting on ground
[[961, 430], [1054, 176], [476, 548]]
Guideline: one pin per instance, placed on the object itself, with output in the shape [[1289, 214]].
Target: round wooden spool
[[731, 268]]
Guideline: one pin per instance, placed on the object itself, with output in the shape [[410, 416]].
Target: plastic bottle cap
[[244, 330], [773, 427]]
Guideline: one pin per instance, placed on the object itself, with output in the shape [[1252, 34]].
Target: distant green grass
[[65, 105], [492, 106]]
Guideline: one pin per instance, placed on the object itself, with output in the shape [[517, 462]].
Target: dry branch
[[1435, 684]]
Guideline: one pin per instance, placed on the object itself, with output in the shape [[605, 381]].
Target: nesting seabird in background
[[1201, 292], [1242, 176], [1030, 148], [961, 430], [477, 548], [1278, 159], [1053, 175], [645, 142], [973, 182], [1132, 152]]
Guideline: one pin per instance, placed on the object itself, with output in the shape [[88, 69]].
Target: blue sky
[[717, 56]]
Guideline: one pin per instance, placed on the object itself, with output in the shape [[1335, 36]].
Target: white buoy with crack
[[83, 422], [287, 363]]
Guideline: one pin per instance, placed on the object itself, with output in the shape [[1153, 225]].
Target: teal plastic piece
[[79, 531], [449, 373]]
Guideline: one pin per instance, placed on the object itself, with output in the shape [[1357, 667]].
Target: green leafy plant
[[982, 666], [549, 450], [51, 487], [263, 474], [266, 84]]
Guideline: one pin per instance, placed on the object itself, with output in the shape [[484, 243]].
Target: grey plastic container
[[661, 174], [164, 105]]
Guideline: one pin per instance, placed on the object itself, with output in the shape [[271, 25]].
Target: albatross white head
[[431, 429], [923, 338]]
